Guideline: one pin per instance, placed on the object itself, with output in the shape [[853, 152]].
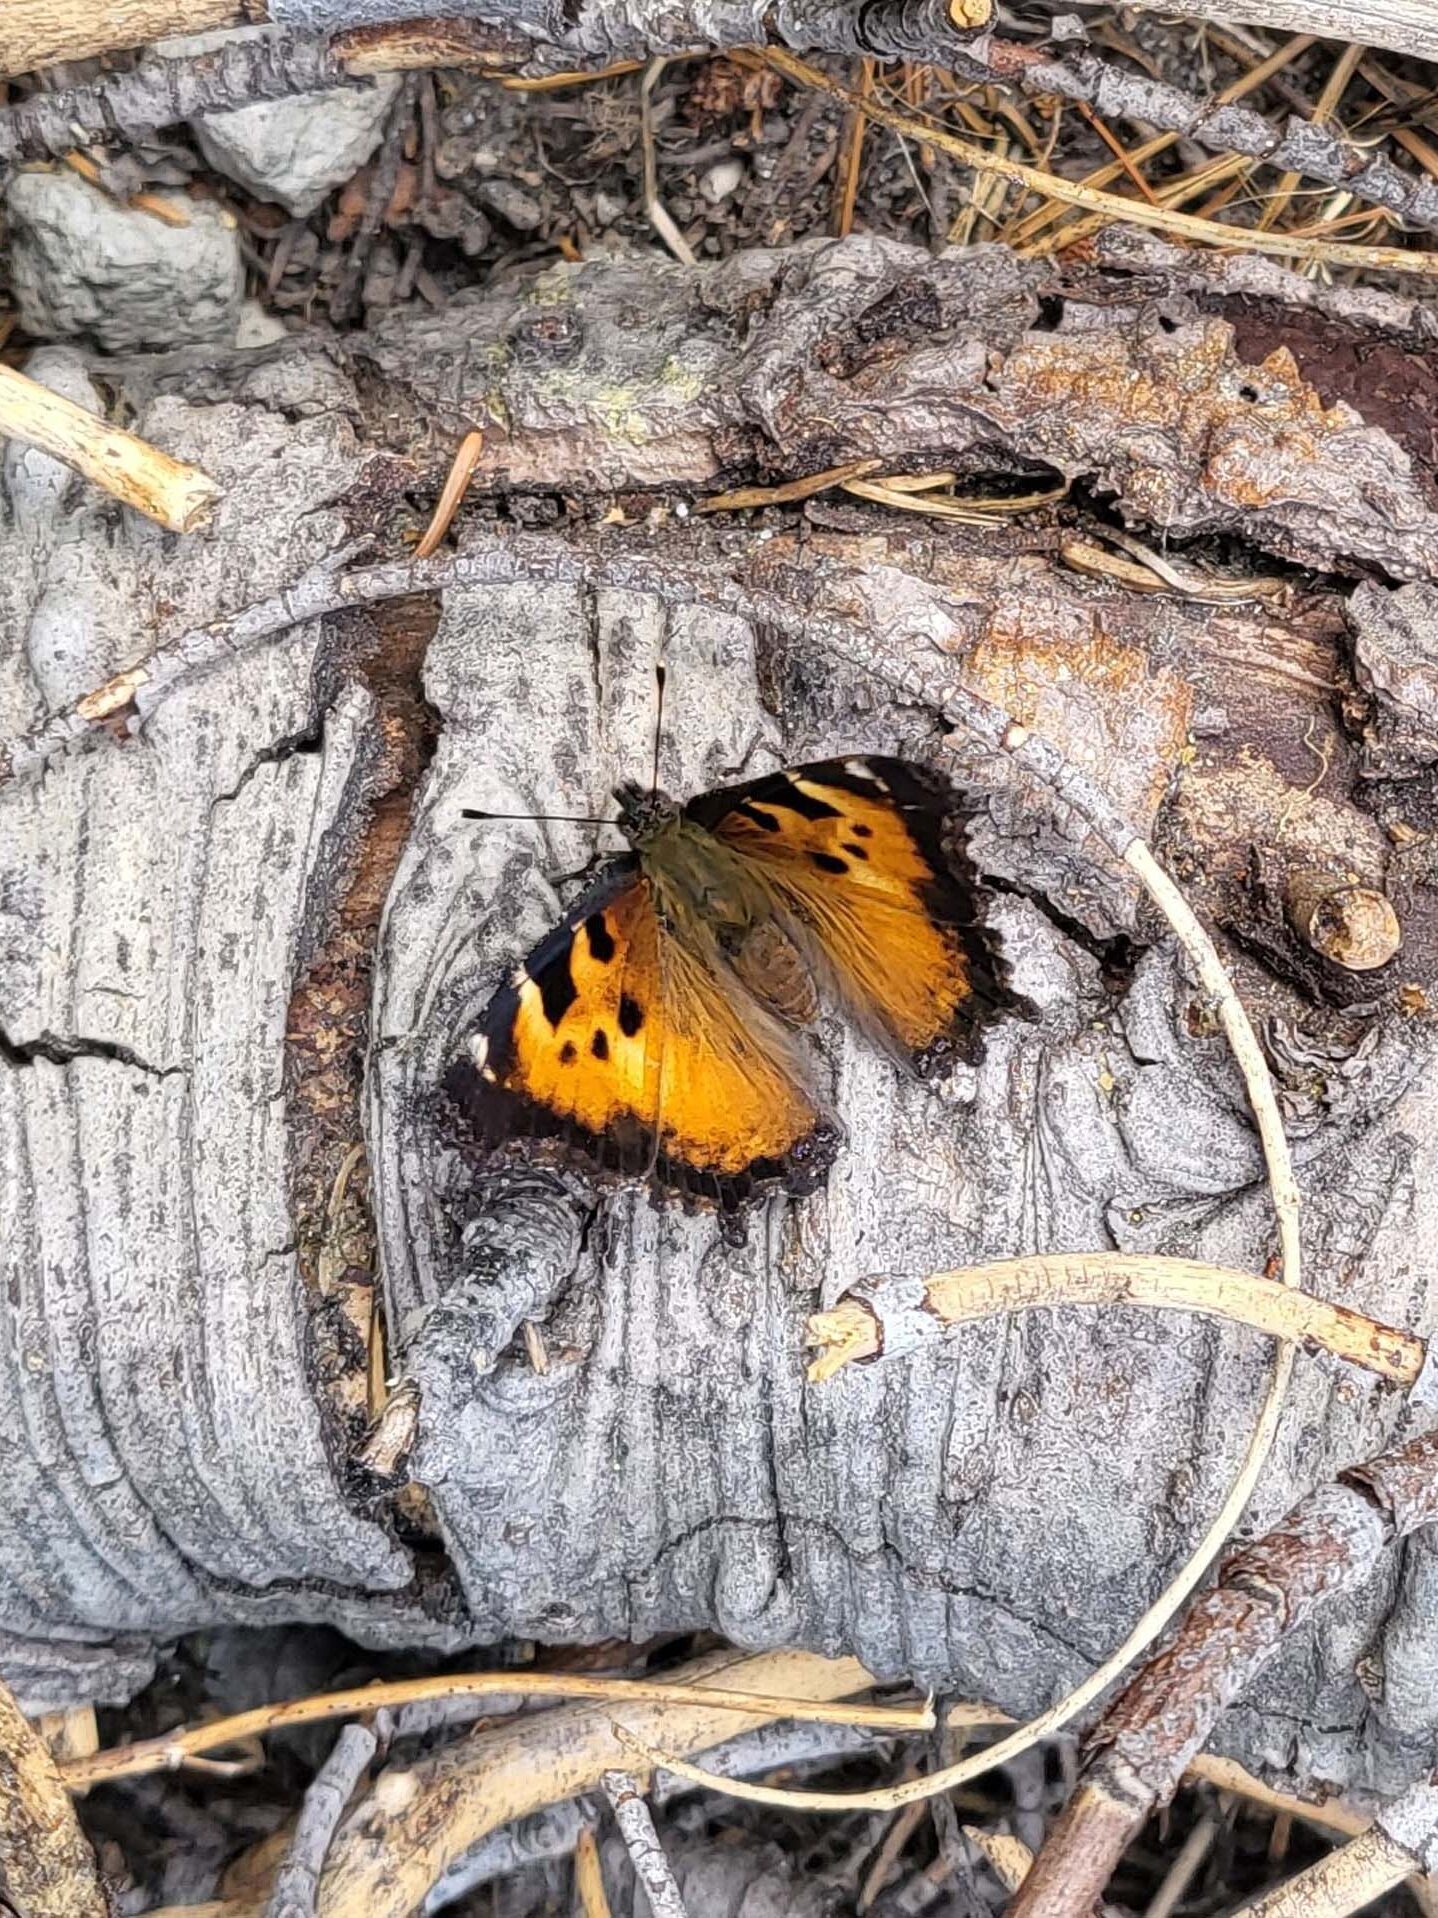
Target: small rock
[[257, 326], [609, 208], [82, 263], [515, 206], [291, 151], [721, 180]]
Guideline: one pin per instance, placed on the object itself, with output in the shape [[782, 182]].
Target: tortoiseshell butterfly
[[652, 1032]]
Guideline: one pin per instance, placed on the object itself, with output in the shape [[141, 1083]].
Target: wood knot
[[1352, 925]]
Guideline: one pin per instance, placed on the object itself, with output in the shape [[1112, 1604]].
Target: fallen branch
[[1395, 259], [1401, 1842], [47, 1868], [1304, 147], [180, 497], [297, 1881], [1407, 26], [1331, 1542], [171, 1750], [891, 1316], [646, 1854]]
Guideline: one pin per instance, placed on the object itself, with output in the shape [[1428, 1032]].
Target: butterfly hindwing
[[857, 857], [616, 1039]]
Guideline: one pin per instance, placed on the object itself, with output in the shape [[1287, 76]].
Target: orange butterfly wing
[[854, 853], [615, 1040]]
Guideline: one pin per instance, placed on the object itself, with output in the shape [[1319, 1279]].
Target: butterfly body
[[652, 1032]]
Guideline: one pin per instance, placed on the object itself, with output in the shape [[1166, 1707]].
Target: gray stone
[[291, 151], [82, 263], [511, 202]]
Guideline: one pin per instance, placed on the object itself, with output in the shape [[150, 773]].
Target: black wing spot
[[631, 1015], [829, 862], [557, 991], [757, 816], [601, 939], [863, 832], [856, 852], [599, 1044], [567, 1054]]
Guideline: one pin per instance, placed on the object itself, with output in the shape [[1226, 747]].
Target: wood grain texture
[[37, 33], [166, 1457]]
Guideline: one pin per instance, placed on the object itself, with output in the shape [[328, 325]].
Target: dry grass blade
[[1148, 571], [579, 77], [742, 498], [853, 154], [909, 498], [659, 216], [1111, 206], [1034, 223]]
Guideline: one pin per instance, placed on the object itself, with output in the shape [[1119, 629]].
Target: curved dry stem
[[889, 1316], [172, 1750]]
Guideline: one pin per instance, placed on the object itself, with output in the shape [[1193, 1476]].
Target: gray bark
[[981, 1517]]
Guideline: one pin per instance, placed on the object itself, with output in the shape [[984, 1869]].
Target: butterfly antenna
[[659, 675], [539, 818]]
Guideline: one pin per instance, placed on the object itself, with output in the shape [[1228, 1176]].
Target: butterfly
[[653, 1032]]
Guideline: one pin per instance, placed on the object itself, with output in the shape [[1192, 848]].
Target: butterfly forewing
[[619, 1040], [856, 855]]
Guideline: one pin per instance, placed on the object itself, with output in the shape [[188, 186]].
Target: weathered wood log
[[192, 925]]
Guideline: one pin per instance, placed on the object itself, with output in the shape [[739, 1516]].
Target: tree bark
[[192, 927]]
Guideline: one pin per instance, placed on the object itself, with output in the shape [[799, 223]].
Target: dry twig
[[297, 1881], [46, 1864], [646, 1854], [892, 1316], [180, 497], [1331, 1542]]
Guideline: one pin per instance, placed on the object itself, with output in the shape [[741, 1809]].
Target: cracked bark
[[978, 1516]]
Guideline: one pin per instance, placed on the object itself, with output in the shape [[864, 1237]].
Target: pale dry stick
[[49, 1870], [1181, 1873], [646, 1854], [592, 1898], [1034, 223], [659, 216], [1402, 1842], [1009, 1858], [1173, 194], [887, 1856], [171, 1750], [455, 486], [331, 1789], [1334, 88], [1405, 26], [889, 1317], [180, 497], [741, 498], [1372, 259]]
